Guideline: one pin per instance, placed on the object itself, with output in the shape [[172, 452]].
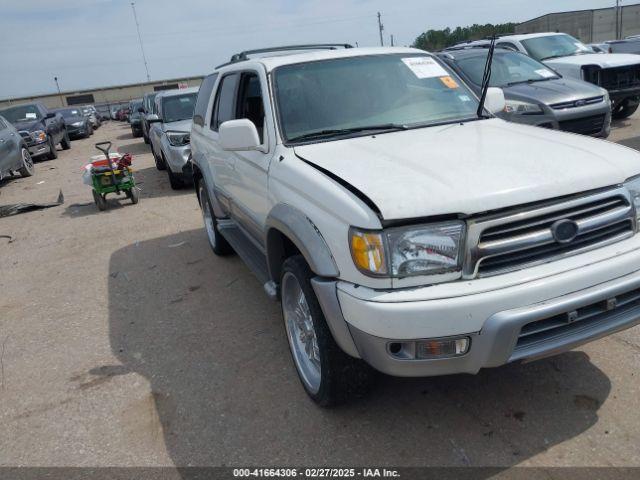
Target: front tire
[[53, 153], [217, 242], [624, 110], [328, 375], [66, 141], [159, 163], [174, 180], [27, 168]]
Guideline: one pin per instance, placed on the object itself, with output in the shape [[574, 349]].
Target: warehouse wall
[[108, 95], [587, 25]]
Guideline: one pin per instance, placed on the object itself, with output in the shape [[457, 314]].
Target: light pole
[[55, 79], [144, 57]]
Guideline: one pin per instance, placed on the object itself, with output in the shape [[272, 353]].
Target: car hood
[[606, 60], [471, 167], [554, 91], [180, 125], [28, 126], [70, 120]]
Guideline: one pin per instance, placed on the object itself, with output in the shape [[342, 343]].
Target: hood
[[607, 60], [180, 125], [470, 168], [550, 92], [29, 126], [70, 120]]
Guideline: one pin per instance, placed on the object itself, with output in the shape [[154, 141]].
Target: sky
[[94, 43]]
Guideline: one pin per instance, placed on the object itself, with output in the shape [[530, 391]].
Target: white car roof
[[526, 36], [173, 93], [277, 59]]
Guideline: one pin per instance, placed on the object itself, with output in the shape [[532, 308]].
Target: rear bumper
[[492, 320]]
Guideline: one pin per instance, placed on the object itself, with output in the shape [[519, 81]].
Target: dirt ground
[[125, 342]]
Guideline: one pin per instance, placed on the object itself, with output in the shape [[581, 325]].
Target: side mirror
[[494, 101], [50, 115], [153, 118], [238, 135]]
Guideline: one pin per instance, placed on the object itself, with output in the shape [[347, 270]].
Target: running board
[[249, 253]]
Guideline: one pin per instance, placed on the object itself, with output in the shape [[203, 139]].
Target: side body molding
[[292, 223]]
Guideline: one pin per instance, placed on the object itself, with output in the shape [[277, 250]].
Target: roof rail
[[244, 55]]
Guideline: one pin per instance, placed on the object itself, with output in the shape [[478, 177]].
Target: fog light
[[442, 348]]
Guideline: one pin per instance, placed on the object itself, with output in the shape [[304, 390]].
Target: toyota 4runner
[[400, 229]]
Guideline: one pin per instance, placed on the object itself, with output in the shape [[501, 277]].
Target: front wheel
[[328, 375], [53, 153], [160, 165], [133, 194], [100, 201], [174, 180], [27, 168], [217, 242], [66, 141], [624, 110]]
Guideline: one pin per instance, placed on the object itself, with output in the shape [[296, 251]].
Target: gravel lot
[[124, 342]]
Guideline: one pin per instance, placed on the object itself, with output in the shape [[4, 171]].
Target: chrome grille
[[577, 103], [24, 134], [522, 238]]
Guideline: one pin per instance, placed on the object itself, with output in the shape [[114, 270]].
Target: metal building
[[590, 26]]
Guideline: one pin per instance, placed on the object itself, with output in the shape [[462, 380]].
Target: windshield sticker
[[543, 72], [31, 116], [449, 82], [464, 98], [425, 67]]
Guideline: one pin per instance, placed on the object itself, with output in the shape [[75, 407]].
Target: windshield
[[507, 69], [355, 92], [134, 106], [178, 107], [23, 113], [70, 113], [554, 46]]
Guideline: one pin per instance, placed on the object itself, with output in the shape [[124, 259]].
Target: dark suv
[[41, 129]]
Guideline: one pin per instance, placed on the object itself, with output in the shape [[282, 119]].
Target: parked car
[[135, 117], [123, 114], [535, 94], [618, 73], [103, 112], [41, 129], [400, 229], [628, 45], [148, 107], [169, 134], [91, 113], [14, 153], [599, 47], [78, 125]]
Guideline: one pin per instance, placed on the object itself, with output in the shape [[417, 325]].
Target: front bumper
[[178, 160], [38, 149], [622, 94], [605, 294], [77, 131]]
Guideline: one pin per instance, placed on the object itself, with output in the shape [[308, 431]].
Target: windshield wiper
[[532, 80], [486, 77], [558, 56], [346, 131]]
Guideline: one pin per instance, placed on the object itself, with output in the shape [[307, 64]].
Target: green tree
[[433, 40]]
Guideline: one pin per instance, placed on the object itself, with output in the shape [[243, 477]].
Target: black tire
[[66, 141], [160, 165], [27, 168], [133, 195], [342, 377], [145, 137], [624, 110], [217, 242], [175, 181], [53, 153], [90, 128], [100, 201]]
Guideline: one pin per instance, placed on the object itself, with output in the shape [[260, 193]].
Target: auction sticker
[[449, 82], [425, 67], [543, 72]]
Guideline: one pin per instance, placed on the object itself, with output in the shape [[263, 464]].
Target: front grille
[[27, 137], [585, 126], [522, 238], [577, 103], [548, 329], [619, 78]]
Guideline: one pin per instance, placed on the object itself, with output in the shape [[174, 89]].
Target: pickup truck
[[41, 129], [403, 228]]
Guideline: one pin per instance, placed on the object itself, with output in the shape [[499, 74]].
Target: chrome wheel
[[301, 332], [207, 216], [27, 161]]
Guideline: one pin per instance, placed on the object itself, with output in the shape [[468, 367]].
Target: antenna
[[486, 77], [144, 57]]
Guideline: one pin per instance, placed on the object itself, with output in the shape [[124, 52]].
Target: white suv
[[400, 229], [616, 72]]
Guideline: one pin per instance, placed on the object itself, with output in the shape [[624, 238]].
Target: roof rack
[[242, 56]]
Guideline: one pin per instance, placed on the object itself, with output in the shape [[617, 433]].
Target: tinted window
[[554, 46], [250, 104], [70, 113], [178, 107], [204, 94], [224, 105], [22, 113]]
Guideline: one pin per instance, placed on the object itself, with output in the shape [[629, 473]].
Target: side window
[[204, 94], [223, 108], [249, 103], [509, 46]]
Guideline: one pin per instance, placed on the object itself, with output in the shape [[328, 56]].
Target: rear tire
[[27, 168], [66, 141], [133, 195], [328, 375], [624, 110], [100, 201], [53, 153], [217, 242]]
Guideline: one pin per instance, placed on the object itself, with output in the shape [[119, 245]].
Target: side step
[[249, 253]]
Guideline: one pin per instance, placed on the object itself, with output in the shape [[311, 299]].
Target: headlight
[[77, 124], [178, 139], [39, 136], [633, 185], [409, 251], [522, 108]]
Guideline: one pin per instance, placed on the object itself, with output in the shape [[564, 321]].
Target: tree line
[[434, 40]]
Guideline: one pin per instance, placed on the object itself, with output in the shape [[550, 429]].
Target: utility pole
[[55, 79], [392, 44], [380, 28], [144, 58]]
